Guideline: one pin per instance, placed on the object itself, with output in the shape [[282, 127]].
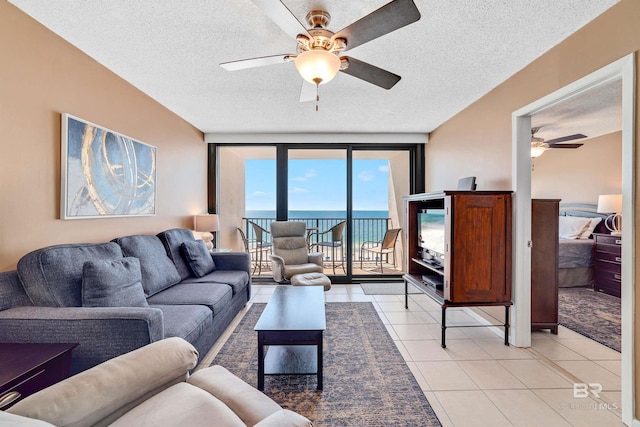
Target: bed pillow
[[116, 283], [588, 229], [571, 227], [198, 257]]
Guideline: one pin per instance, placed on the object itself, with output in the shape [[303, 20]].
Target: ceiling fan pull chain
[[317, 81]]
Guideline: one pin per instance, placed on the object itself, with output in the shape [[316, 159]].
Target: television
[[431, 236]]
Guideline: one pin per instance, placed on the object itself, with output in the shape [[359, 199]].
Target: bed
[[575, 256]]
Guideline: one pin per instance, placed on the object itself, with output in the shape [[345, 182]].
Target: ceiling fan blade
[[308, 92], [388, 18], [282, 16], [370, 73], [256, 62], [566, 138], [565, 145]]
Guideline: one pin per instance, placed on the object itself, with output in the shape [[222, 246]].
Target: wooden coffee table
[[292, 325]]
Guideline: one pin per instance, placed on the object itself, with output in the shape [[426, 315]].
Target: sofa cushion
[[12, 294], [198, 257], [180, 405], [52, 276], [189, 322], [116, 283], [158, 271], [216, 296], [238, 280], [172, 239]]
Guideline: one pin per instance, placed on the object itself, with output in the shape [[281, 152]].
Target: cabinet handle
[[617, 276], [618, 259], [8, 398], [618, 242]]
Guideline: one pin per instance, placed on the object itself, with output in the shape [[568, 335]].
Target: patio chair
[[253, 252], [336, 233], [290, 255], [384, 247], [261, 246]]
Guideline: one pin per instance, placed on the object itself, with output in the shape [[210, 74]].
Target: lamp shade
[[317, 66], [207, 222], [610, 203], [537, 151]]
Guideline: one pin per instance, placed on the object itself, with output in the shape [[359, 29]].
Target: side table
[[29, 368]]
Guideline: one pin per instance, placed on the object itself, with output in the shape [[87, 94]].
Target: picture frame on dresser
[[103, 173]]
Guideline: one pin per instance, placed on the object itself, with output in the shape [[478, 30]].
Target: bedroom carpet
[[366, 381], [592, 314]]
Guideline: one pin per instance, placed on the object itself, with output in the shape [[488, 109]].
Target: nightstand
[[29, 368], [607, 263]]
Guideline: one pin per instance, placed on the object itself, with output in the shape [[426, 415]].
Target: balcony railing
[[364, 230]]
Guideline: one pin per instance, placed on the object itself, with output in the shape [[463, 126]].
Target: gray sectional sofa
[[117, 296]]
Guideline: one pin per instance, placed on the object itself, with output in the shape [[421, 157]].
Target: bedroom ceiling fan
[[318, 49], [540, 145]]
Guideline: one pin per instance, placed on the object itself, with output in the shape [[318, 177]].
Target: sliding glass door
[[317, 195], [380, 179]]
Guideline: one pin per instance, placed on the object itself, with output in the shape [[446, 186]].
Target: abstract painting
[[105, 174]]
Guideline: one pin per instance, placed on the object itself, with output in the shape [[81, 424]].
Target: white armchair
[[290, 255]]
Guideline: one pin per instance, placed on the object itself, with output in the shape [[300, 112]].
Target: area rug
[[592, 314], [366, 381], [386, 288]]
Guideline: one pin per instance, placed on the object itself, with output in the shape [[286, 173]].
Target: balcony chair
[[248, 249], [384, 247], [290, 255], [336, 242], [262, 245]]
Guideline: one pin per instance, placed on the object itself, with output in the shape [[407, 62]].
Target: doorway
[[623, 69]]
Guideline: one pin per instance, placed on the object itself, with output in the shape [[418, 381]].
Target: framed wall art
[[105, 174]]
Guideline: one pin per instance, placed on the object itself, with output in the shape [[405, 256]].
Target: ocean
[[319, 214]]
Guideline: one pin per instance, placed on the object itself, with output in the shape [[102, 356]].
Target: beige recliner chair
[[151, 386], [290, 254]]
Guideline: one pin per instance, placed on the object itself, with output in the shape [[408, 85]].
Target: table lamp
[[208, 224], [611, 204]]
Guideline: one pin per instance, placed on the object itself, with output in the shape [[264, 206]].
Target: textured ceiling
[[593, 113], [458, 51]]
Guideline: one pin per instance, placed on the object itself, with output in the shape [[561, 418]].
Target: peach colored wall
[[477, 141], [42, 76], [580, 175]]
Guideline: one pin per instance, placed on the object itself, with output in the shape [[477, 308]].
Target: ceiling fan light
[[317, 66], [537, 151]]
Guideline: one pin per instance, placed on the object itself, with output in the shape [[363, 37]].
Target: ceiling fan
[[318, 48], [539, 145]]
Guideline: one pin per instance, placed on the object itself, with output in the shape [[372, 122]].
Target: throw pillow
[[571, 227], [115, 283], [198, 257], [588, 230]]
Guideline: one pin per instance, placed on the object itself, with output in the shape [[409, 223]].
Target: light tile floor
[[478, 381]]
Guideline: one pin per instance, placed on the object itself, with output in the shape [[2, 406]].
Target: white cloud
[[365, 176], [309, 173], [383, 168], [298, 190], [259, 193]]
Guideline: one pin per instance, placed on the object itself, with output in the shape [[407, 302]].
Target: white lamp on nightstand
[[611, 204], [208, 224]]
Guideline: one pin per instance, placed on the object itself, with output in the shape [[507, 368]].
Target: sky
[[318, 184]]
